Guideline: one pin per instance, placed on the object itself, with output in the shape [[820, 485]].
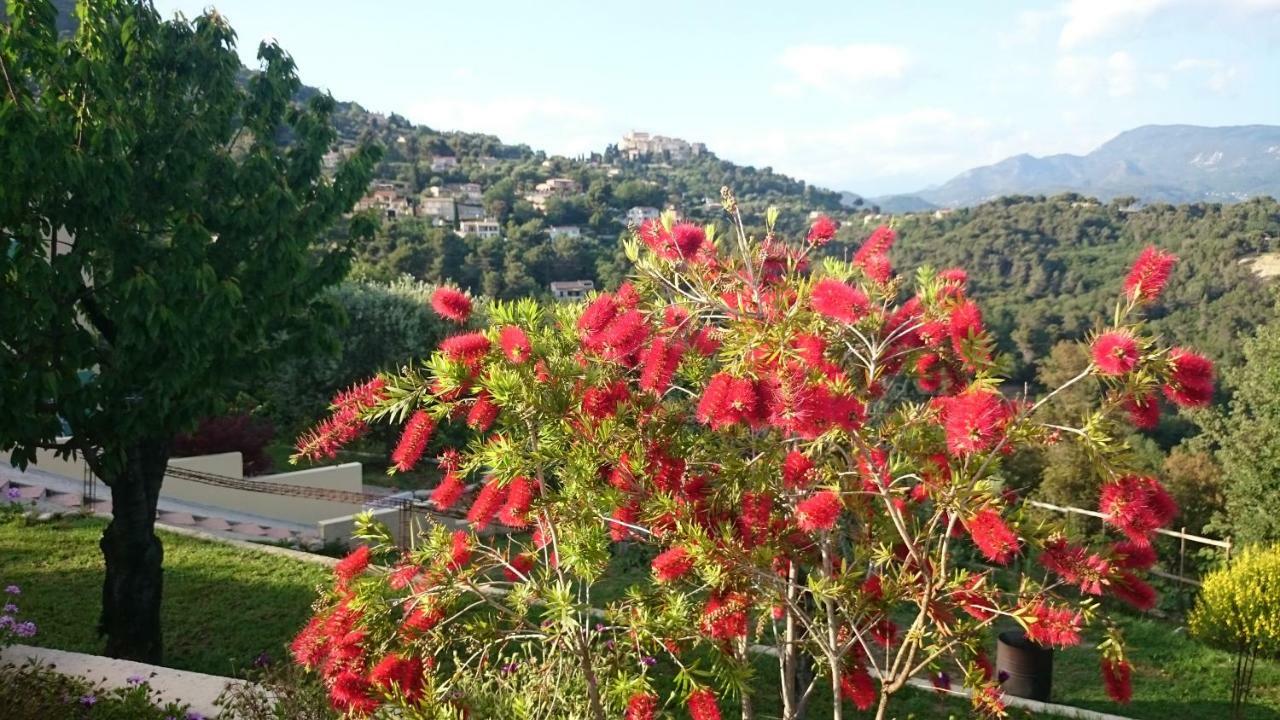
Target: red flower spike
[[1129, 588], [469, 348], [1053, 626], [797, 471], [1136, 505], [491, 499], [1190, 378], [483, 412], [702, 705], [857, 686], [839, 301], [1144, 412], [598, 314], [515, 344], [521, 566], [403, 673], [724, 617], [447, 493], [460, 550], [1133, 556], [352, 565], [1149, 274], [974, 420], [992, 536], [819, 511], [1115, 676], [641, 706], [451, 304], [672, 564], [822, 231], [1115, 353], [514, 512], [352, 693], [963, 324]]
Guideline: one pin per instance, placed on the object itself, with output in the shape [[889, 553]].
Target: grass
[[222, 605]]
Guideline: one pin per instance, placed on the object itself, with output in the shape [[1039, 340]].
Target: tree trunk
[[134, 581]]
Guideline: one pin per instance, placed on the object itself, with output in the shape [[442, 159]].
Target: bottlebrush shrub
[[810, 446]]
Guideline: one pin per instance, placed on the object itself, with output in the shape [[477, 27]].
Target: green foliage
[[168, 258], [1249, 441]]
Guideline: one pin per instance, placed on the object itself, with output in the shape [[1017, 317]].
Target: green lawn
[[222, 605]]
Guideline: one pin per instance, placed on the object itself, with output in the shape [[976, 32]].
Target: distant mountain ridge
[[1154, 163]]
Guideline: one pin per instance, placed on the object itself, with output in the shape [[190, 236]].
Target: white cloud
[[559, 126], [1089, 20], [842, 69], [1028, 26], [1218, 75], [1118, 73]]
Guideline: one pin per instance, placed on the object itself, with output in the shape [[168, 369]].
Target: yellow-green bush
[[1239, 610]]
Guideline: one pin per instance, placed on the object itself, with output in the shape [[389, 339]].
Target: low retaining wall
[[196, 689]]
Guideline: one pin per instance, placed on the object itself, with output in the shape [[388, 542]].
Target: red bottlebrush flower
[[450, 460], [1133, 556], [521, 565], [396, 671], [620, 338], [491, 499], [1149, 274], [620, 475], [714, 403], [515, 344], [973, 600], [599, 403], [797, 471], [974, 420], [754, 518], [421, 620], [672, 564], [988, 701], [623, 517], [459, 550], [1115, 352], [687, 239], [1075, 565], [706, 341], [702, 705], [1136, 505], [822, 230], [469, 348], [659, 363], [1143, 412], [1115, 675], [352, 693], [857, 686], [954, 276], [413, 441], [881, 240], [483, 413], [1190, 381], [884, 632], [598, 314], [514, 512], [724, 617], [353, 564], [963, 324], [877, 268], [819, 511], [1129, 588], [641, 706], [447, 493], [811, 348], [839, 301], [401, 576], [873, 588], [1053, 626], [627, 296], [308, 647], [992, 536], [344, 424], [451, 304]]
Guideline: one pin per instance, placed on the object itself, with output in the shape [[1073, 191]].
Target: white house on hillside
[[487, 228], [571, 289], [564, 231], [639, 214]]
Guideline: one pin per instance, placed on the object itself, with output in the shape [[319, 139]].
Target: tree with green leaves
[[1249, 437], [161, 221]]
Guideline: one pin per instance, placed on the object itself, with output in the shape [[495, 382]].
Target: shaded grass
[[222, 606]]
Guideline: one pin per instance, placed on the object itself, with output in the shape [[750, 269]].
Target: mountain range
[[1153, 163]]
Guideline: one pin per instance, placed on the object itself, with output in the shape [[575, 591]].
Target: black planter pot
[[1027, 668]]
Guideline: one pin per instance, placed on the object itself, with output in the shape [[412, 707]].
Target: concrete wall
[[72, 467], [347, 477], [230, 464]]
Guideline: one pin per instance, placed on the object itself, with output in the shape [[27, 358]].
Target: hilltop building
[[637, 145]]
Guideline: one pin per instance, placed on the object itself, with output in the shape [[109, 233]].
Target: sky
[[873, 98]]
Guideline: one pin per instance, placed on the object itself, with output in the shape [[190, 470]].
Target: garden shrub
[[238, 432], [34, 691], [811, 449], [1239, 611]]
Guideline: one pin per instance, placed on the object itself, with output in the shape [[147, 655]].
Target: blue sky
[[869, 97]]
